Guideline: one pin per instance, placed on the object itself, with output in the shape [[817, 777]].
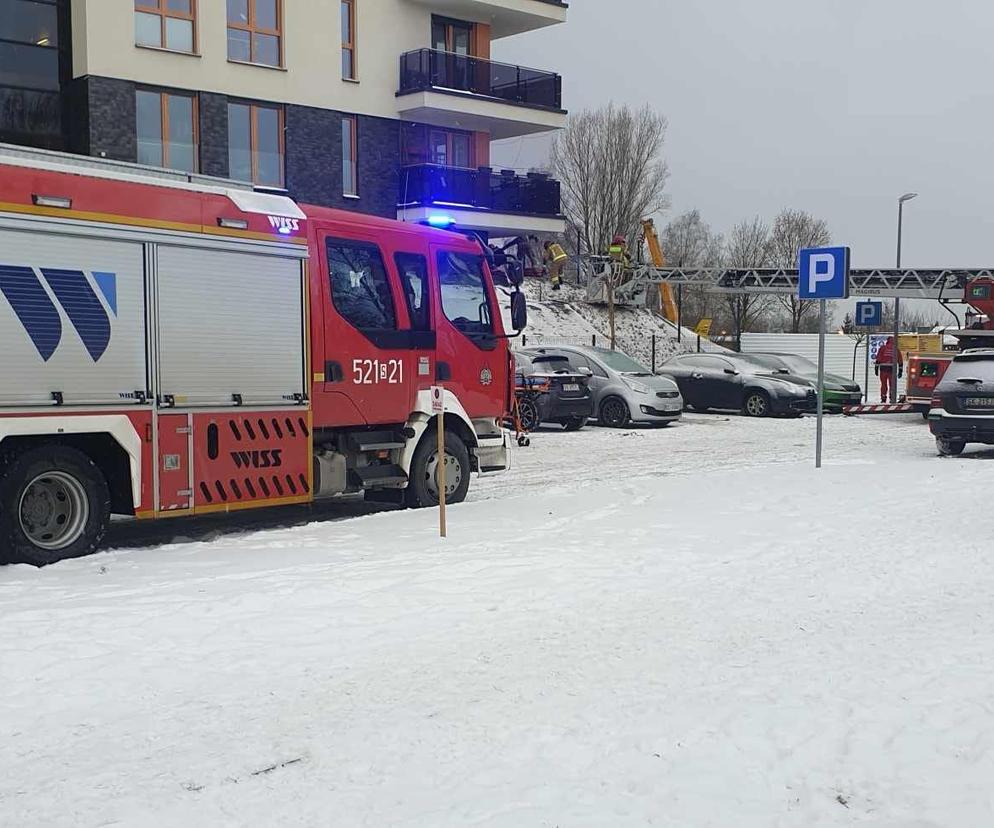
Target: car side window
[[360, 287], [413, 272], [582, 361]]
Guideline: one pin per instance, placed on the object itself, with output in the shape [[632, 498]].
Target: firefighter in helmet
[[883, 367], [555, 258], [619, 251]]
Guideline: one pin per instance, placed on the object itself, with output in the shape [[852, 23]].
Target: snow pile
[[564, 317], [629, 652]]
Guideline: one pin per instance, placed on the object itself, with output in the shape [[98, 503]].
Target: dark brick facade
[[102, 121], [110, 128], [213, 134], [314, 160]]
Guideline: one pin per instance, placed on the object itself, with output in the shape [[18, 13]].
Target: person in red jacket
[[884, 368]]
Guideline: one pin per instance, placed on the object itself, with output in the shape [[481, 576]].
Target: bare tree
[[748, 246], [611, 167], [794, 230], [688, 241]]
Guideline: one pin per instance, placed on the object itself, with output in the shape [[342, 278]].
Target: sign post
[[438, 409], [868, 315], [824, 275]]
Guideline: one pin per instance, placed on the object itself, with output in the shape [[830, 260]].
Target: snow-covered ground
[[564, 317], [680, 627]]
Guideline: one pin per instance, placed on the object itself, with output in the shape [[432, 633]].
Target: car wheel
[[757, 404], [528, 414], [422, 490], [614, 413], [949, 448], [54, 505], [574, 423]]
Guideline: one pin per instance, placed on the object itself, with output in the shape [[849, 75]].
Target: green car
[[839, 391]]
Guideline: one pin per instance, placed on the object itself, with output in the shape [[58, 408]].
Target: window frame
[[373, 334], [252, 29], [160, 8], [485, 340], [353, 162], [351, 46], [164, 95], [426, 289], [254, 107]]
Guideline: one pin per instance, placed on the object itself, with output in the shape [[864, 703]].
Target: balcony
[[505, 17], [470, 93], [500, 202]]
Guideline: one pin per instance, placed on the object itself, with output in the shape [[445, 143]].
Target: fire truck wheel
[[54, 505], [422, 491], [949, 448]]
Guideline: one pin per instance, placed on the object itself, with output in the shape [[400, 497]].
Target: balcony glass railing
[[499, 191], [427, 69]]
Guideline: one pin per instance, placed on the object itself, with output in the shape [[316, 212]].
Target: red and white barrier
[[883, 408]]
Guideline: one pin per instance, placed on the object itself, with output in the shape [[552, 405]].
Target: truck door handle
[[333, 372]]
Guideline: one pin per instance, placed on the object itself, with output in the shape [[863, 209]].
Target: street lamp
[[897, 300]]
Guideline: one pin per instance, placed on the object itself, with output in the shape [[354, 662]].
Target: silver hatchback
[[624, 391]]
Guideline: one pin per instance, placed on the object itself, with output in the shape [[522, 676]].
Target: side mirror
[[519, 311], [515, 272]]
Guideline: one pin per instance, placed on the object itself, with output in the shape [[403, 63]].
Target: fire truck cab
[[177, 345]]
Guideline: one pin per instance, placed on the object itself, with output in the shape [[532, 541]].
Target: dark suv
[[962, 408], [549, 391]]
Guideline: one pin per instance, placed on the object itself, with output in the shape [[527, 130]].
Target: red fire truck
[[175, 345], [926, 370]]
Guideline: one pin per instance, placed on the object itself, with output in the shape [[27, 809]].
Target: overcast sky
[[831, 106]]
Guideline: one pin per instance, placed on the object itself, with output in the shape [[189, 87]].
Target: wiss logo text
[[265, 459]]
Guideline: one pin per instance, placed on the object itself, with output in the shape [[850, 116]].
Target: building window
[[255, 31], [350, 166], [166, 24], [167, 129], [30, 76], [348, 40], [431, 145], [255, 143]]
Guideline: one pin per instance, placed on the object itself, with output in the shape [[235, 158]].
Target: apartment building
[[380, 106]]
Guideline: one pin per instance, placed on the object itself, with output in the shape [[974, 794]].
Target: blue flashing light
[[284, 231], [441, 220]]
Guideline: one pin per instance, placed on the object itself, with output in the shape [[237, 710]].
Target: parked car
[[550, 391], [739, 382], [624, 391], [839, 391], [963, 403]]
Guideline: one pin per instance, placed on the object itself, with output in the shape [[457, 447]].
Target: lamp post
[[897, 300]]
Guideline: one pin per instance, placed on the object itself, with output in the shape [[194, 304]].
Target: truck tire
[[54, 505], [422, 491]]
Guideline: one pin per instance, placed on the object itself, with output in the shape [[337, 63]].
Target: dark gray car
[[963, 403], [736, 382]]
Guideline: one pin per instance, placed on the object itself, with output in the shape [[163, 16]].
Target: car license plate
[[980, 402], [571, 386]]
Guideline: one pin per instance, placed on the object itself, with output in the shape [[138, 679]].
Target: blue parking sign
[[824, 273], [869, 314]]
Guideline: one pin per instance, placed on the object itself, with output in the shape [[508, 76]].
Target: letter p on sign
[[824, 273]]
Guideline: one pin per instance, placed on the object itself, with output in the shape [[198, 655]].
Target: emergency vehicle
[[177, 345]]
